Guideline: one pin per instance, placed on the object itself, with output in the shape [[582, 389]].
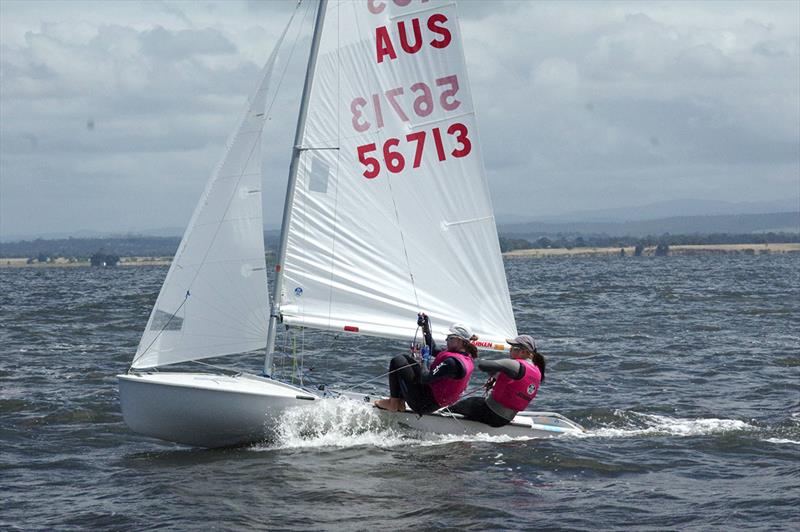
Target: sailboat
[[387, 214]]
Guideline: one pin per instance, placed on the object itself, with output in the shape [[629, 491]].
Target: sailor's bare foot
[[400, 405], [392, 404], [384, 404]]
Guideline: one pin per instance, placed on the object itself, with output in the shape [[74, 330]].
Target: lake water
[[684, 370]]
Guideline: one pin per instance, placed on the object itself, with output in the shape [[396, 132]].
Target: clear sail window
[[165, 321], [319, 176]]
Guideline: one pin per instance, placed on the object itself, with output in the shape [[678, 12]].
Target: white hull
[[527, 424], [207, 410]]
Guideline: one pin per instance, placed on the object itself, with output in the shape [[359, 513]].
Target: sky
[[113, 114]]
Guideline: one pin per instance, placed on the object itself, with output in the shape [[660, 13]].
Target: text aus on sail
[[416, 100]]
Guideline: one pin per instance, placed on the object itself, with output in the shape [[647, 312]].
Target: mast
[[297, 151]]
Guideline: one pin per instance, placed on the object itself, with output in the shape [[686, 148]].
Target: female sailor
[[513, 384], [426, 390]]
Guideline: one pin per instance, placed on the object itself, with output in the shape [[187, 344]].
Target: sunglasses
[[453, 337], [517, 348]]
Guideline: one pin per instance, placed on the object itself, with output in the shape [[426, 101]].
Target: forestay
[[391, 214], [214, 298]]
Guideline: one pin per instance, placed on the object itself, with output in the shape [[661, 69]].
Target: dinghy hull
[[206, 410], [525, 425]]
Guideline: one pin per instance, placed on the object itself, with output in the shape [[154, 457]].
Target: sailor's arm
[[509, 367], [449, 368]]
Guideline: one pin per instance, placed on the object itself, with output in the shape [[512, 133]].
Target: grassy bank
[[61, 262], [705, 249]]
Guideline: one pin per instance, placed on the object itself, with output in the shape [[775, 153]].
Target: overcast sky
[[112, 114]]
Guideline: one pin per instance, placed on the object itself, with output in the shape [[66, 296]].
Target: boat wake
[[782, 441], [335, 422], [342, 422], [639, 424]]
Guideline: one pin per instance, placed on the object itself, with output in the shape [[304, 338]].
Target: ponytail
[[470, 349], [538, 360]]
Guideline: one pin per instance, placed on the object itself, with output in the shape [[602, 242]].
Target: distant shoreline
[[60, 262], [694, 249], [697, 249]]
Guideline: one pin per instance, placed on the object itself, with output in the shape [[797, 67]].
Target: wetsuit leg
[[475, 409], [404, 382], [404, 369], [420, 398]]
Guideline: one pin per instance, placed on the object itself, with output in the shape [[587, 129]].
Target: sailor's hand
[[426, 354], [421, 318], [489, 384]]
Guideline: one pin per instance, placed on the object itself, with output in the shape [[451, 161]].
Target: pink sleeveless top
[[516, 394], [447, 391]]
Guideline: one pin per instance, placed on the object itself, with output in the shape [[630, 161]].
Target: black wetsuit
[[476, 408], [411, 381]]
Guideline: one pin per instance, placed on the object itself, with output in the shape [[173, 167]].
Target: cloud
[[680, 90], [165, 45], [578, 103]]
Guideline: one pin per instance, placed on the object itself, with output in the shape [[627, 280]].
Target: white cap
[[461, 330]]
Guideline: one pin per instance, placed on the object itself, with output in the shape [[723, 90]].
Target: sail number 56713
[[423, 105], [395, 161]]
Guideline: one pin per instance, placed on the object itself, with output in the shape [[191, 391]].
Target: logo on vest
[[531, 389]]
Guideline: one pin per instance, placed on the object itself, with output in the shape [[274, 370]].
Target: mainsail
[[214, 298], [391, 213]]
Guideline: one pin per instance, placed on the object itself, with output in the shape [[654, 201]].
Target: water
[[685, 370]]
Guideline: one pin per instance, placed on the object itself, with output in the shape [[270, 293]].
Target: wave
[[781, 441], [341, 423], [639, 424]]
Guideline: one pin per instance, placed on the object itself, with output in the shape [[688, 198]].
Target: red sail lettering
[[383, 43], [375, 7], [435, 19], [413, 48]]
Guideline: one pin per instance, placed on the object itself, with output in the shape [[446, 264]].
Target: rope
[[216, 176], [223, 368], [379, 376], [164, 328], [291, 52], [403, 241]]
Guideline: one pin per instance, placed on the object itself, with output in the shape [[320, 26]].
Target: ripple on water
[[683, 371]]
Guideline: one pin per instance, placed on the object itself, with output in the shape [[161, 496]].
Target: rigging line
[[235, 371], [185, 299], [255, 144], [279, 84], [291, 52], [338, 163], [302, 352], [290, 218], [453, 416], [379, 376], [403, 241], [473, 391], [302, 229]]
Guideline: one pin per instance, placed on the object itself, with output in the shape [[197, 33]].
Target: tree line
[[570, 241], [143, 246]]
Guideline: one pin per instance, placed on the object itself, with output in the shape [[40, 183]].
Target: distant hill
[[667, 209], [787, 222], [123, 246], [740, 225]]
